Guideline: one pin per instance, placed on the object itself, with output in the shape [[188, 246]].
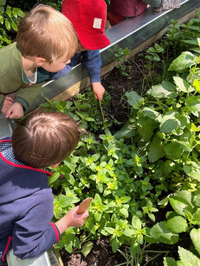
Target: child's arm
[[71, 219], [91, 59]]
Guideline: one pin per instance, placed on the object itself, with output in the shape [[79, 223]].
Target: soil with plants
[[117, 84], [140, 162]]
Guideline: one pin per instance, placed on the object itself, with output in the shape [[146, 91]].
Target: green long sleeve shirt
[[13, 78]]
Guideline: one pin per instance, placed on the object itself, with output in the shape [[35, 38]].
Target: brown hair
[[45, 138], [45, 32]]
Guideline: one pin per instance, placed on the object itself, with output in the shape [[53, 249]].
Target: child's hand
[[98, 90], [6, 104], [71, 219], [74, 219], [15, 111]]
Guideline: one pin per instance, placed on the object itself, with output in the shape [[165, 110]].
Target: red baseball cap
[[89, 20]]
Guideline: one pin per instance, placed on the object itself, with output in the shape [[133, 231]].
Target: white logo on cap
[[97, 23]]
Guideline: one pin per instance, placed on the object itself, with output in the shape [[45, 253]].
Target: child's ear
[[39, 61], [55, 165]]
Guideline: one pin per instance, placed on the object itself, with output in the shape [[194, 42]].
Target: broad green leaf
[[14, 26], [194, 107], [194, 28], [180, 206], [136, 223], [8, 11], [86, 248], [126, 132], [146, 127], [195, 236], [183, 62], [187, 257], [156, 150], [125, 199], [166, 90], [124, 212], [8, 26], [65, 201], [184, 195], [129, 232], [196, 200], [169, 261], [174, 150], [196, 84], [54, 177], [151, 113], [110, 230], [197, 50], [134, 99], [97, 199], [68, 247], [159, 232], [71, 162], [70, 179], [169, 123], [183, 85], [115, 245], [192, 172], [177, 225]]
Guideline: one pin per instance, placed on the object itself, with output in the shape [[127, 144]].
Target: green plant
[[141, 258], [154, 155], [161, 123], [9, 18], [87, 109], [185, 218], [121, 57]]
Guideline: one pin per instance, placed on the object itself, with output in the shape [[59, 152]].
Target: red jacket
[[127, 8]]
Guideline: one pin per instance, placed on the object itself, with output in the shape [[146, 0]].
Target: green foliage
[[138, 258], [106, 170], [87, 109], [184, 218], [9, 18], [151, 162], [121, 57], [166, 123]]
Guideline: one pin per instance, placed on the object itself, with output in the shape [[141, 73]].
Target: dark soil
[[116, 84]]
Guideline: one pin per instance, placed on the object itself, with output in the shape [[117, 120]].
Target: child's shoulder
[[8, 55], [11, 48]]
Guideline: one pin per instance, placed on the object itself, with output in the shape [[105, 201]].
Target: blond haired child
[[45, 42]]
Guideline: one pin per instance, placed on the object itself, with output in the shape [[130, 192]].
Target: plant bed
[[140, 162]]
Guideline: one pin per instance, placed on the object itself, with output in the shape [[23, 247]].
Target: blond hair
[[46, 138], [45, 32]]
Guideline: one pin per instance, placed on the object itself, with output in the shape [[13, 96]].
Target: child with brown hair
[[46, 41], [40, 140], [89, 20]]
